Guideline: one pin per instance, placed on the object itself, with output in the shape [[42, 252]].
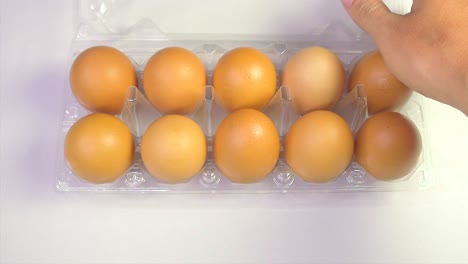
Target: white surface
[[40, 225]]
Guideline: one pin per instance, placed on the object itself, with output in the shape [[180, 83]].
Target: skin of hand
[[426, 49]]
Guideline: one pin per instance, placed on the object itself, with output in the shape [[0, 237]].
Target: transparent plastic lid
[[260, 19]]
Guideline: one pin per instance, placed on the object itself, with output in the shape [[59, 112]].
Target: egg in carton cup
[[139, 38]]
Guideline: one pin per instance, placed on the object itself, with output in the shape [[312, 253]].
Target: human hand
[[426, 49]]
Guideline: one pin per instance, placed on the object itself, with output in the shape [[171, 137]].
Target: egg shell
[[319, 146], [174, 149], [99, 148], [174, 81], [388, 146], [246, 146], [244, 78], [315, 77], [383, 90], [100, 78]]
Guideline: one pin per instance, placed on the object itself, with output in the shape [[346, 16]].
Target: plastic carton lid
[[213, 19]]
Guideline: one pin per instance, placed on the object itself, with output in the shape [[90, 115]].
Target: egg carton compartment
[[138, 114]]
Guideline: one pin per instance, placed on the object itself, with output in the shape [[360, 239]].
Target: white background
[[40, 225]]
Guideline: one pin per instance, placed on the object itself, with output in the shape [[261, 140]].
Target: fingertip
[[347, 3], [372, 15]]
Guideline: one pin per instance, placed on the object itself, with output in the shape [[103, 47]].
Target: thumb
[[373, 16]]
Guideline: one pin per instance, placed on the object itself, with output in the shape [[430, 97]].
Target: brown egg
[[315, 77], [244, 78], [384, 91], [174, 81], [319, 146], [99, 148], [388, 146], [174, 149], [100, 78], [246, 146]]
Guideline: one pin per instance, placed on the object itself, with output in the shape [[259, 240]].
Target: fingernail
[[347, 3]]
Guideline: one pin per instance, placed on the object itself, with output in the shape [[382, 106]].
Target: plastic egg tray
[[138, 113]]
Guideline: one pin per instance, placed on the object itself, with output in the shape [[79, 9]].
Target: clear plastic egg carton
[[139, 38]]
